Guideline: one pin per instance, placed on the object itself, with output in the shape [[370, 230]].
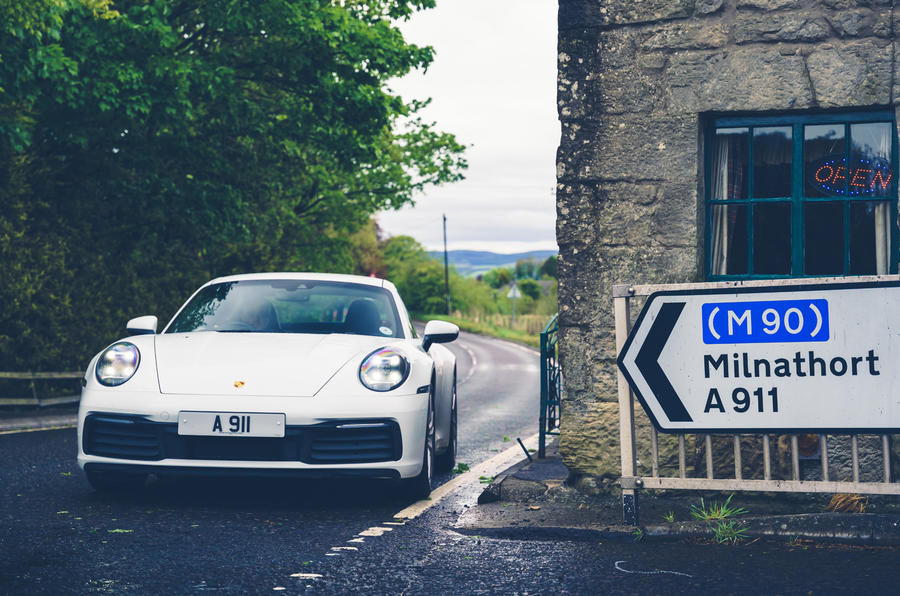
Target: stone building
[[713, 140]]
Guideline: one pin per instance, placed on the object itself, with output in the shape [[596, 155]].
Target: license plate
[[231, 424]]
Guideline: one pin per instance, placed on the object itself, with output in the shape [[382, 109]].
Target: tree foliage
[[497, 278], [527, 269], [530, 288], [549, 267], [148, 145]]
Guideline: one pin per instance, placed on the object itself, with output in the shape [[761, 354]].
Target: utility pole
[[446, 268]]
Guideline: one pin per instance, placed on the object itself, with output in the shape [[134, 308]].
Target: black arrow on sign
[[647, 362]]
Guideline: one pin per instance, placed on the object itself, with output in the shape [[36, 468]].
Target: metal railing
[[551, 385], [35, 400], [821, 482]]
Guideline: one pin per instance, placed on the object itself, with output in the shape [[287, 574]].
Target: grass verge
[[521, 337]]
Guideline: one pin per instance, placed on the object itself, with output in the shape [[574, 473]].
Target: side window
[[808, 196]]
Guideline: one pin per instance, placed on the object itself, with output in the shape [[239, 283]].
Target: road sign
[[786, 358], [514, 292]]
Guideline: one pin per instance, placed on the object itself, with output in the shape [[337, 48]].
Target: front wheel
[[419, 487]]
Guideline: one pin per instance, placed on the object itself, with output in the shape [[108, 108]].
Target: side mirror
[[142, 325], [439, 332]]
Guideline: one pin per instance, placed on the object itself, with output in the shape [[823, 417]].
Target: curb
[[857, 528], [531, 509], [864, 529], [38, 422]]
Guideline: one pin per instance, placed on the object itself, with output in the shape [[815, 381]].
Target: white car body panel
[[313, 379], [283, 364]]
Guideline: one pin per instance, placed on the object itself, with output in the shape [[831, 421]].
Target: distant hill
[[474, 262]]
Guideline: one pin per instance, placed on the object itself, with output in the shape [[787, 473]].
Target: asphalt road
[[58, 536]]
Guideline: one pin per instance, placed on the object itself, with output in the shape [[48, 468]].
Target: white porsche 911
[[295, 374]]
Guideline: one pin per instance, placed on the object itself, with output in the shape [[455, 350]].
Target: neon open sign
[[832, 176]]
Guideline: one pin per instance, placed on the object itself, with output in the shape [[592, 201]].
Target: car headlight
[[384, 369], [117, 364]]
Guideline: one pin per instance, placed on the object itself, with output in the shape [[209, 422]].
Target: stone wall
[[636, 78]]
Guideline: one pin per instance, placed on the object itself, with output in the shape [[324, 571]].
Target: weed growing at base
[[715, 511], [729, 532], [725, 531]]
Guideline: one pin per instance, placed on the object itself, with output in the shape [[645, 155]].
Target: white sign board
[[514, 292], [790, 358]]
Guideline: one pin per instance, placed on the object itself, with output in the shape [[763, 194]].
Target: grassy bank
[[485, 328]]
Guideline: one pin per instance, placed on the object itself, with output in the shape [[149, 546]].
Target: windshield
[[290, 306]]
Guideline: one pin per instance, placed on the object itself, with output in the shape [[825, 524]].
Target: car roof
[[337, 277]]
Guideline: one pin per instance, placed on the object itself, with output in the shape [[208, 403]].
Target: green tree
[[497, 278], [530, 288], [471, 297], [398, 250], [366, 251], [549, 266], [423, 287], [418, 277], [147, 149]]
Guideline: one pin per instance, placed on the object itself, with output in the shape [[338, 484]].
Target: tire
[[446, 461], [419, 487], [107, 481]]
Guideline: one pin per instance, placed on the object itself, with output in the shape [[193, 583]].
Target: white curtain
[[726, 178], [873, 140]]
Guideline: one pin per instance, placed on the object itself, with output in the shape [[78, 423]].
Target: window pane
[[772, 162], [825, 166], [824, 247], [728, 245], [869, 234], [871, 172], [772, 238], [729, 170]]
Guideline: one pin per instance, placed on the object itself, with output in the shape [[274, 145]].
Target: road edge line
[[489, 467]]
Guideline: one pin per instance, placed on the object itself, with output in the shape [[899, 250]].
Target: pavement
[[537, 498], [33, 418]]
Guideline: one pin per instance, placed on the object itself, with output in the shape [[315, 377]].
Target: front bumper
[[377, 436]]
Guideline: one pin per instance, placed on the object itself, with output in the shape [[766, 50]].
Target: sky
[[493, 85]]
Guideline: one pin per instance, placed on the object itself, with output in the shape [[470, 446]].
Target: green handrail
[[551, 384]]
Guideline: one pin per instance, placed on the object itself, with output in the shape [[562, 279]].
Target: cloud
[[493, 84]]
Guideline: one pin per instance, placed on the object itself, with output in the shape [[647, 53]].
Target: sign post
[[513, 294], [814, 358]]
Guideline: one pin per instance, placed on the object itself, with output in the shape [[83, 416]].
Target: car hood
[[258, 364]]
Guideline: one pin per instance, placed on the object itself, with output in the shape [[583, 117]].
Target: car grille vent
[[351, 442], [122, 437]]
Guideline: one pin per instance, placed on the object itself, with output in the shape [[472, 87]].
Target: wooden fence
[[29, 378]]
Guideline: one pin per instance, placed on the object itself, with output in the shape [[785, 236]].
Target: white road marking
[[474, 364], [374, 531], [487, 468], [618, 568]]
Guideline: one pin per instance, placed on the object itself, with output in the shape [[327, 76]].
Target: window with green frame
[[795, 196]]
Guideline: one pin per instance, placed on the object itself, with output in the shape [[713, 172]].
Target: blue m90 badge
[[771, 321]]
